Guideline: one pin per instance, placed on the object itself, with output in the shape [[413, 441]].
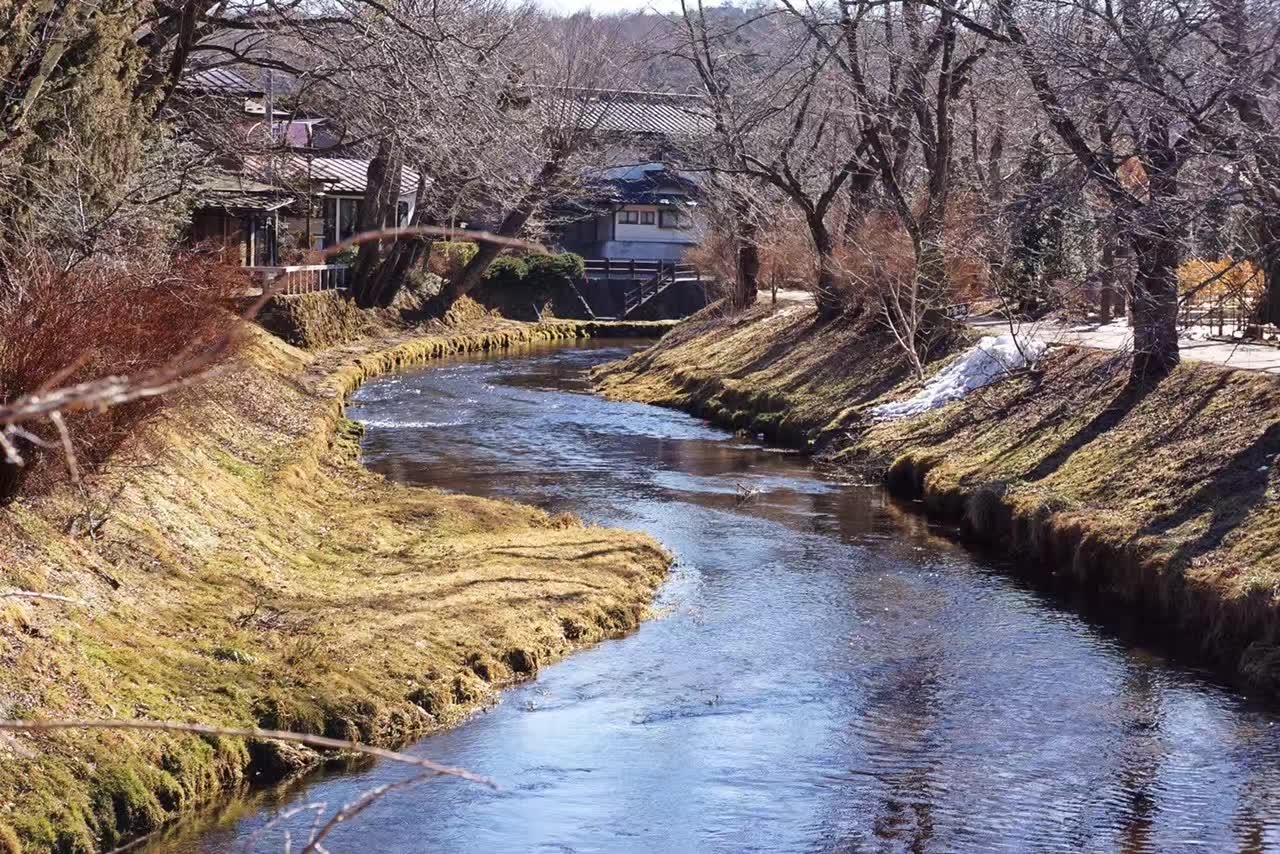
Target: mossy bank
[[1161, 498], [235, 565]]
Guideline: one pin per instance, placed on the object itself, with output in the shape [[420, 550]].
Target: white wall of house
[[636, 232], [654, 224]]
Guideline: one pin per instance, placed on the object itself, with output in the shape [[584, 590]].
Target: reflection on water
[[827, 675]]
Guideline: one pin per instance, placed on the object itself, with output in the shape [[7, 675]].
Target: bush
[[97, 320], [1240, 280], [881, 259], [551, 271], [506, 271], [347, 257], [448, 257]]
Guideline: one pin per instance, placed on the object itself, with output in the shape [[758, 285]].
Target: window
[[628, 217], [348, 218], [402, 214], [260, 240], [670, 219], [341, 218], [646, 217]]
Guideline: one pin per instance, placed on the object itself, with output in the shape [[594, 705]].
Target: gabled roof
[[235, 192], [220, 81], [647, 114], [343, 176]]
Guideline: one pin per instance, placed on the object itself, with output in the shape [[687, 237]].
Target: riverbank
[[1162, 499], [235, 565]]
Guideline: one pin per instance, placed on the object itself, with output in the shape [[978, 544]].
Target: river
[[827, 672]]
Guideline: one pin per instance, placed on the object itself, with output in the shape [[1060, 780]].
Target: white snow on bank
[[985, 363]]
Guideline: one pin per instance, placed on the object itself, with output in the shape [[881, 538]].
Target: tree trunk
[[1107, 279], [511, 225], [936, 326], [405, 254], [747, 285], [826, 290], [382, 191], [1155, 305], [1269, 241], [861, 183]]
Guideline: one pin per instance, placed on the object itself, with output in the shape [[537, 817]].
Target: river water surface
[[827, 672]]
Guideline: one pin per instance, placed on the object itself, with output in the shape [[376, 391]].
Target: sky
[[607, 6]]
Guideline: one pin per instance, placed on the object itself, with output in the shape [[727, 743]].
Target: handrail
[[296, 279], [666, 276]]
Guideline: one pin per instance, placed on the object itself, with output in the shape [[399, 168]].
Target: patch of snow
[[991, 358]]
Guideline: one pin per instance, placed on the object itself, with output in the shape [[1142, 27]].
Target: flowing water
[[827, 672]]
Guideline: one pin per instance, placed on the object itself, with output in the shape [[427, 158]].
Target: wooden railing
[[304, 278], [632, 270], [648, 287]]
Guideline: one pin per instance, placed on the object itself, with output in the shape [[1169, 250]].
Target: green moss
[[264, 579]]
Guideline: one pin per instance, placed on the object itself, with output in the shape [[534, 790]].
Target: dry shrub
[[786, 254], [59, 327], [787, 258], [880, 257], [715, 256], [1201, 279]]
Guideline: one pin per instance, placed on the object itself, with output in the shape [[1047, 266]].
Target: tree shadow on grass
[[1235, 490], [1130, 395]]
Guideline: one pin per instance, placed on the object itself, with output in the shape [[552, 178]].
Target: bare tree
[[1250, 53], [782, 122], [906, 65], [1121, 85]]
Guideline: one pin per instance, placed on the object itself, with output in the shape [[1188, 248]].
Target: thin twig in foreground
[[356, 807], [246, 732], [31, 594]]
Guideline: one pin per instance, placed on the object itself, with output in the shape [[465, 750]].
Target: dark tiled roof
[[221, 81], [647, 184]]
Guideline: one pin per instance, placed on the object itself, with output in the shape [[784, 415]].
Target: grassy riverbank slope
[[235, 565], [1162, 498]]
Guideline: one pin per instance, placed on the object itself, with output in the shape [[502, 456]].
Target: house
[[272, 209], [638, 208], [282, 196], [304, 203], [330, 194], [645, 212], [239, 216]]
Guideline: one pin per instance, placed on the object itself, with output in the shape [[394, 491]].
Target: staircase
[[647, 279]]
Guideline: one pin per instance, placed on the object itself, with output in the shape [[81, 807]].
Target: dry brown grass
[[771, 370], [249, 572], [317, 320]]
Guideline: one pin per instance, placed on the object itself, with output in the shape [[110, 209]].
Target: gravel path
[[1118, 336]]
